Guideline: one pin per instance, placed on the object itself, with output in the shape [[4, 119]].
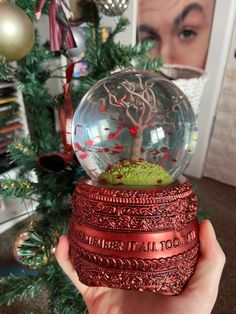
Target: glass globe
[[134, 128]]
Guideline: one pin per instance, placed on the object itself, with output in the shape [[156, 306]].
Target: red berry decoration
[[134, 130]]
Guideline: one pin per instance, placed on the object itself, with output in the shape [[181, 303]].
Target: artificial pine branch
[[111, 56], [141, 59], [40, 239], [121, 25], [14, 288], [22, 152], [29, 7], [38, 101], [6, 70], [64, 297], [20, 187], [53, 189]]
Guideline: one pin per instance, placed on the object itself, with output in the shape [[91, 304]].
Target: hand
[[37, 15], [198, 297]]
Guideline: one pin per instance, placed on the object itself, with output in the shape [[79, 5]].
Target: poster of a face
[[180, 29]]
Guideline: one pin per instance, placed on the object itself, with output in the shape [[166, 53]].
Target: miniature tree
[[139, 105]]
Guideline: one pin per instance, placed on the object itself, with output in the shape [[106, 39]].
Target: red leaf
[[118, 146], [114, 152], [89, 142], [103, 108], [119, 176], [83, 156], [113, 136]]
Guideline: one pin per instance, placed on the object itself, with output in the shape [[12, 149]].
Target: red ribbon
[[66, 112]]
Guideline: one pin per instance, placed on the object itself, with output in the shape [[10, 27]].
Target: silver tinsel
[[112, 7]]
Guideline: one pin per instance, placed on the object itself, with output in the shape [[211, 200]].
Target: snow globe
[[134, 220]]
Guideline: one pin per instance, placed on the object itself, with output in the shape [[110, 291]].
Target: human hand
[[37, 15], [198, 297]]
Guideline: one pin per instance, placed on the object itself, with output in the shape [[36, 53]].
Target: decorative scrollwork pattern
[[164, 275], [132, 213], [136, 264], [113, 194], [106, 220]]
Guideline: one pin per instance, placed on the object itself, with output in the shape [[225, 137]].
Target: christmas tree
[[56, 179]]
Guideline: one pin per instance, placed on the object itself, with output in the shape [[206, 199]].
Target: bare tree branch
[[139, 103]]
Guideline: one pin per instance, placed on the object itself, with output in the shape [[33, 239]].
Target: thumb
[[206, 279], [63, 259]]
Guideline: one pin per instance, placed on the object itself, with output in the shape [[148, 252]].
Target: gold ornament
[[16, 32], [29, 251], [17, 248]]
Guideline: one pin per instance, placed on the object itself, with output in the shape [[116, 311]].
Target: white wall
[[128, 37], [225, 12], [221, 157]]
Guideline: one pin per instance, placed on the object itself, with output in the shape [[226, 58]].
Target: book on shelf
[[13, 123]]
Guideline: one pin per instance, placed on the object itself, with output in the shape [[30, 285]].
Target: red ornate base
[[139, 239]]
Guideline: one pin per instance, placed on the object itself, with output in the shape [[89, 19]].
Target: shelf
[[13, 122]]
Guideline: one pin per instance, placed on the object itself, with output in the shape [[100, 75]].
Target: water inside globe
[[134, 128]]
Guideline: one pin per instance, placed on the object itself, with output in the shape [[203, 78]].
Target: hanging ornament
[[30, 250], [57, 162], [17, 32], [61, 37], [80, 41], [112, 7], [81, 68]]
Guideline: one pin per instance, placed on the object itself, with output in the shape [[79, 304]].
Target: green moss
[[136, 173]]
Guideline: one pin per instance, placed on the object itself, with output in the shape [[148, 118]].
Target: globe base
[[143, 239]]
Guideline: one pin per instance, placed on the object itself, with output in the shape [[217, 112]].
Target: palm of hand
[[119, 301], [129, 302]]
